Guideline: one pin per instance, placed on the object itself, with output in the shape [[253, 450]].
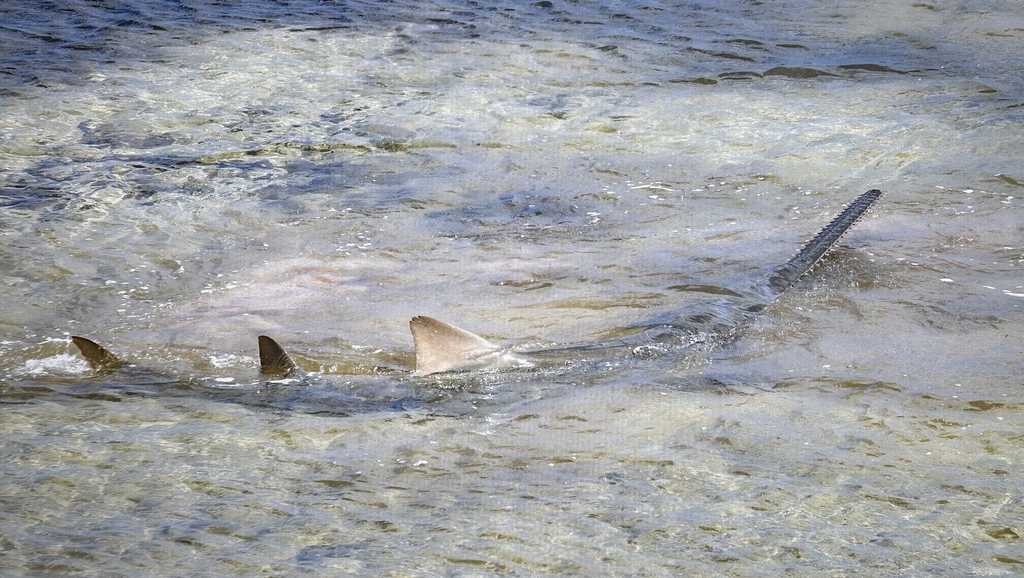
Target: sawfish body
[[444, 348], [441, 347], [114, 378]]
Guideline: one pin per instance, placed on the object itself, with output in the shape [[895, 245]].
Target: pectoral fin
[[99, 358], [443, 347], [273, 358]]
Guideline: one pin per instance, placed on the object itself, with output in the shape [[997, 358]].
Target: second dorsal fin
[[274, 360], [443, 347], [98, 357]]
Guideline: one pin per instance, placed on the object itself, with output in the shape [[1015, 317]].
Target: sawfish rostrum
[[442, 347]]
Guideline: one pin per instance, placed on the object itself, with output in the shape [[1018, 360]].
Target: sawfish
[[443, 348]]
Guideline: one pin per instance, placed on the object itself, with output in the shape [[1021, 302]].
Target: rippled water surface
[[177, 178]]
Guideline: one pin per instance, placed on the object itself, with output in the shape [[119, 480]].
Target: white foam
[[62, 364]]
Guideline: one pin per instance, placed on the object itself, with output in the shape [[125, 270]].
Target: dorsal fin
[[273, 358], [443, 347], [99, 358]]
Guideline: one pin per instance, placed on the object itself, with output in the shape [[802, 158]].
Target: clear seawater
[[177, 178]]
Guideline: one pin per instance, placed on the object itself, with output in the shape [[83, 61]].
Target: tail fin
[[99, 358], [785, 276], [273, 358]]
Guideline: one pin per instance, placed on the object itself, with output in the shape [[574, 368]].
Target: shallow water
[[178, 178]]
